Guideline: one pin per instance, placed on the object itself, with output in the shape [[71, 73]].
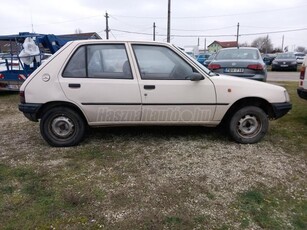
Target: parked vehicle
[[302, 89], [244, 62], [27, 52], [285, 61], [299, 57], [104, 83], [201, 58], [209, 59], [268, 58]]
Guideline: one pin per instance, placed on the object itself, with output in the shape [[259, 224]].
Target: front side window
[[161, 63], [99, 61]]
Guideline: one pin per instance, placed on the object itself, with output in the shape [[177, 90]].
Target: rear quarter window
[[76, 66]]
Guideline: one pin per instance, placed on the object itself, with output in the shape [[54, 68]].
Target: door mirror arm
[[195, 77]]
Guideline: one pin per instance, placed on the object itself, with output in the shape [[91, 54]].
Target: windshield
[[285, 56], [207, 71]]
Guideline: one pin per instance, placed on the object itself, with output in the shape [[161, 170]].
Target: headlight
[[294, 62], [274, 62]]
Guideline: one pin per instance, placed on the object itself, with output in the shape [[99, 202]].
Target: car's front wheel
[[62, 127], [248, 125]]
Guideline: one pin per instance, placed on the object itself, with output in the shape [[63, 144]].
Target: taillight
[[255, 67], [303, 70], [22, 97], [1, 76], [214, 66]]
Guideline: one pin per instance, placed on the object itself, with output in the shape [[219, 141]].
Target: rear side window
[[99, 61]]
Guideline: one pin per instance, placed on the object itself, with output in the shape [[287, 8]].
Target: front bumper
[[30, 110], [281, 109], [286, 67], [302, 93]]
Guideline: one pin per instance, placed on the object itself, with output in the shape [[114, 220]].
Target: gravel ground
[[159, 171]]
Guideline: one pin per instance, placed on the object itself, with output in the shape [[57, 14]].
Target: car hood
[[231, 88]]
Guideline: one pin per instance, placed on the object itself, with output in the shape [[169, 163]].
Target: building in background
[[217, 45]]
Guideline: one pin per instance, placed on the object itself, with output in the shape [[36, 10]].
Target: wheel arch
[[54, 104], [249, 101]]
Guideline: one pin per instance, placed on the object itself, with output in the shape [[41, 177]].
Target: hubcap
[[248, 126], [62, 127]]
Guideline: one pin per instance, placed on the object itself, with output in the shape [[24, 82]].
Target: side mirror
[[195, 77]]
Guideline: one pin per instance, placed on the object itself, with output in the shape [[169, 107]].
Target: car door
[[168, 95], [98, 78]]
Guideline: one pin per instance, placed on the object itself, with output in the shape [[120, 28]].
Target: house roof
[[226, 44], [81, 36]]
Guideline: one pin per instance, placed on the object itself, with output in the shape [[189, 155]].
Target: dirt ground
[[153, 173]]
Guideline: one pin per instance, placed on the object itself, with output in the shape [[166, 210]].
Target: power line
[[173, 35], [274, 32], [207, 35], [188, 30]]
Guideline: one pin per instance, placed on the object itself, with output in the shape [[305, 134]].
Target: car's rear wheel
[[248, 125], [62, 127]]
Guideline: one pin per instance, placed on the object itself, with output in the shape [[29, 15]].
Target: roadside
[[283, 76]]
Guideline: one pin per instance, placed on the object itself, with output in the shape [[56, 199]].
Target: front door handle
[[149, 87], [74, 85]]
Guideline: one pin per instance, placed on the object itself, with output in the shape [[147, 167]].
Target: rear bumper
[[302, 93], [30, 110], [281, 109]]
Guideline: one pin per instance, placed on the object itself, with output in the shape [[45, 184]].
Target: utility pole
[[282, 43], [107, 25], [266, 44], [205, 44], [238, 27], [154, 31], [169, 21]]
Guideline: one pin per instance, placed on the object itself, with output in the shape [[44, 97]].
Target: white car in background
[[117, 83], [299, 57], [302, 89]]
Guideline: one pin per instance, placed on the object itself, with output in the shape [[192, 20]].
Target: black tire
[[62, 127], [248, 125]]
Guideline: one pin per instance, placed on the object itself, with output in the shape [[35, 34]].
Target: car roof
[[119, 41], [234, 48]]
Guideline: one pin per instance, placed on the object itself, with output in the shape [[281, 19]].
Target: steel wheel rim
[[62, 127], [249, 126]]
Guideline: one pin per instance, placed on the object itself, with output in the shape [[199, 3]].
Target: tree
[[264, 44], [245, 44], [300, 49]]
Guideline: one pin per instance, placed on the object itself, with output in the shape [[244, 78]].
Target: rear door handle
[[74, 85], [149, 87]]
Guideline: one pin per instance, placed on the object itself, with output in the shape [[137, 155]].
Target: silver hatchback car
[[243, 62]]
